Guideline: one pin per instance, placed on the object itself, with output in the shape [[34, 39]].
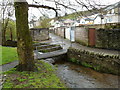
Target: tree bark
[[4, 27], [24, 40], [3, 37], [11, 34]]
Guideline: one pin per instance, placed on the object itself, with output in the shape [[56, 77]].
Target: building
[[112, 13]]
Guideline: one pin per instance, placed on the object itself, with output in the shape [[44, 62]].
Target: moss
[[82, 42], [72, 60], [99, 60], [108, 70], [86, 64], [45, 78]]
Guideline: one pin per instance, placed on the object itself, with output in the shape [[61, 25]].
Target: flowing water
[[77, 76]]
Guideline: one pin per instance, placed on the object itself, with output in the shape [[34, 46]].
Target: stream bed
[[77, 76]]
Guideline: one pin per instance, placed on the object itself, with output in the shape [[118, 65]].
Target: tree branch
[[43, 6]]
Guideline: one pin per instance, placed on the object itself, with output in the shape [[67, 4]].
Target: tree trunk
[[3, 37], [4, 27], [24, 40], [11, 34]]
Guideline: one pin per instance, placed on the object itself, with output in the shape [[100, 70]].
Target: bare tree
[[7, 12]]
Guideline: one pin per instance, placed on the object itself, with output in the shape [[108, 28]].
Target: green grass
[[9, 54], [45, 77]]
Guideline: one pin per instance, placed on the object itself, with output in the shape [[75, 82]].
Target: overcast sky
[[37, 12], [51, 13]]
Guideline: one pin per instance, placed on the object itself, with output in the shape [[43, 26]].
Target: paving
[[6, 67], [50, 54], [65, 43]]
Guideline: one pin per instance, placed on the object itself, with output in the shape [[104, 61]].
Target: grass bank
[[45, 77], [9, 54]]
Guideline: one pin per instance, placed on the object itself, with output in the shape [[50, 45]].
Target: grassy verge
[[45, 77], [9, 54]]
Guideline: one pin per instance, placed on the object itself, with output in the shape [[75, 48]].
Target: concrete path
[[8, 66], [50, 54], [66, 44]]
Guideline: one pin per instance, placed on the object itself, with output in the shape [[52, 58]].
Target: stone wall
[[81, 35], [40, 34], [97, 61], [60, 31], [109, 39]]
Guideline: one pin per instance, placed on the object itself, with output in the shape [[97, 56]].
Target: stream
[[77, 76]]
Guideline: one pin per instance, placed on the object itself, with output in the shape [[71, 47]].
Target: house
[[57, 24], [86, 20], [52, 22], [89, 20], [82, 21], [112, 13], [68, 22], [98, 18], [32, 23]]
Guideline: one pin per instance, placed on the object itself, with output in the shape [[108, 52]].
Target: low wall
[[109, 39], [40, 34], [81, 35], [97, 61]]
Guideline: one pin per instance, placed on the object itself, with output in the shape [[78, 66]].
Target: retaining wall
[[98, 61]]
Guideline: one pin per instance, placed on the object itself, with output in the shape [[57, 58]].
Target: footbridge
[[48, 51]]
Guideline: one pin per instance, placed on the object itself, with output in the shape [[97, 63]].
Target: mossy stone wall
[[97, 61]]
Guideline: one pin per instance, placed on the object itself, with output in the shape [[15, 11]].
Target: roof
[[89, 19], [68, 21]]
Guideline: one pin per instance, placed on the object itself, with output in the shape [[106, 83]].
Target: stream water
[[76, 76]]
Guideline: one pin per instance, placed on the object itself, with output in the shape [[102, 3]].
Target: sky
[[38, 12], [51, 13]]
